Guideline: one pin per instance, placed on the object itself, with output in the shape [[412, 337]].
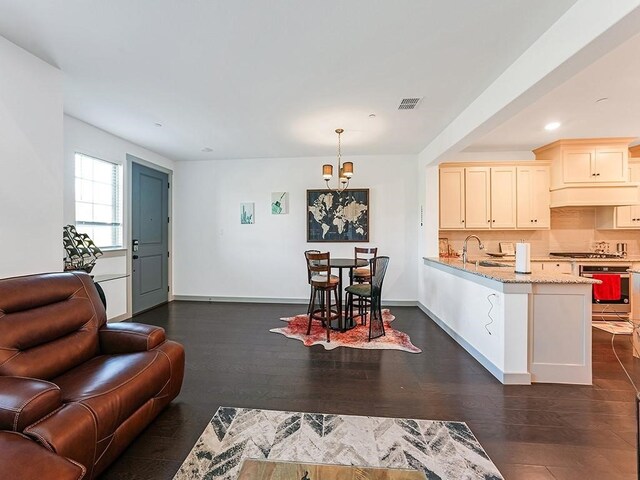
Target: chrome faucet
[[464, 247]]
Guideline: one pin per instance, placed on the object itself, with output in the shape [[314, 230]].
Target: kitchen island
[[523, 328]]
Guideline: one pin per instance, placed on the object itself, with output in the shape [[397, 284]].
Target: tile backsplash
[[572, 229]]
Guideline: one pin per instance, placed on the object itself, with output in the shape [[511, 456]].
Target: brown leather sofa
[[74, 390]]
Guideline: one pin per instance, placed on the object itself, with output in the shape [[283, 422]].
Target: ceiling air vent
[[409, 103]]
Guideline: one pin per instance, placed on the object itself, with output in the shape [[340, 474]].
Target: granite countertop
[[548, 258], [507, 275]]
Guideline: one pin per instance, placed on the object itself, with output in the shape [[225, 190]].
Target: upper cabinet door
[[524, 202], [533, 197], [611, 165], [503, 197], [452, 198], [634, 174], [629, 216], [478, 198], [577, 165], [541, 200]]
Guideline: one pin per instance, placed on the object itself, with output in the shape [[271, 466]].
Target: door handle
[[135, 245], [135, 257]]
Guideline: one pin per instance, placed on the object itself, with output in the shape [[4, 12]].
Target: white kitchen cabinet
[[626, 217], [533, 198], [595, 165], [611, 164], [452, 198], [477, 198], [537, 267], [577, 165], [557, 267], [503, 197], [629, 216], [486, 196], [586, 161]]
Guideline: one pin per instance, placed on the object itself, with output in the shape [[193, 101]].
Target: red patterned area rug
[[357, 337]]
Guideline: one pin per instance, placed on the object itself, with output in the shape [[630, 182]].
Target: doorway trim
[[130, 160]]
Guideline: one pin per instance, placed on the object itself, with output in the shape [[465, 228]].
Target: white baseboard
[[119, 318], [523, 378], [301, 301]]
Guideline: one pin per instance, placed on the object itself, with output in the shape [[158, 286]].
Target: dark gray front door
[[150, 237]]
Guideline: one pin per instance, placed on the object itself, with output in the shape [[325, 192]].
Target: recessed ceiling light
[[158, 124], [372, 115], [551, 126], [603, 99], [207, 149]]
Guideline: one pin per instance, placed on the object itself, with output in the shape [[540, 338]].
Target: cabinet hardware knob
[[597, 174], [531, 221], [494, 221], [462, 221], [536, 220], [593, 174]]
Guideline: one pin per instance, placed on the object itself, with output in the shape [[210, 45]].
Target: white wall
[[30, 163], [85, 138], [216, 256]]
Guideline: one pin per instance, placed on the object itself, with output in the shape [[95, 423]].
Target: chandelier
[[345, 170]]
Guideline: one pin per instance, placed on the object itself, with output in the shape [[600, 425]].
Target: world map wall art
[[338, 217]]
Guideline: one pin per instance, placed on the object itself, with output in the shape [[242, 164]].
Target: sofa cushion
[[25, 400], [114, 386], [48, 324]]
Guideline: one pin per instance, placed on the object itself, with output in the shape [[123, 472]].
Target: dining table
[[342, 264]]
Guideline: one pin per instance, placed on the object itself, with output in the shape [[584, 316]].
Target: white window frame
[[117, 231]]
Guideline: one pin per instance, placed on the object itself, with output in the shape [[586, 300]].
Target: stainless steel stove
[[617, 309], [585, 255]]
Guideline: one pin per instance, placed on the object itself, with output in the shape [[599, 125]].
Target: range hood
[[600, 195]]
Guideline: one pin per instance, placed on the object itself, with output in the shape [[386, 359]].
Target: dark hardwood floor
[[530, 432]]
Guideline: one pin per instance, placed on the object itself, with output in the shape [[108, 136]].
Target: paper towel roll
[[523, 258]]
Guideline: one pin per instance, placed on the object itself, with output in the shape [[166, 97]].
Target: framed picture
[[279, 203], [247, 213], [338, 217]]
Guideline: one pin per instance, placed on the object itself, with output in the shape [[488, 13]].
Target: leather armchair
[[74, 390]]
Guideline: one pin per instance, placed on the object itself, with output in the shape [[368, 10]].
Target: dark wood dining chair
[[363, 274], [306, 260], [373, 293], [323, 284]]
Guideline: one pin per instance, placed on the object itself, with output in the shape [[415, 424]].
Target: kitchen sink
[[489, 263]]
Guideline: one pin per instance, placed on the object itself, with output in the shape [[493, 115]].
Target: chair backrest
[[365, 253], [48, 324], [378, 270], [319, 263], [306, 259]]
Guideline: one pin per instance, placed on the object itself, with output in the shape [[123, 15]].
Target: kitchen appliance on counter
[[621, 249], [614, 309]]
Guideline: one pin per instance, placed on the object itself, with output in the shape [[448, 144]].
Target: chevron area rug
[[357, 337], [442, 450]]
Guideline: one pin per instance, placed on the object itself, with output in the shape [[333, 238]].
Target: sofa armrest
[[71, 432], [26, 400], [23, 459], [130, 337]]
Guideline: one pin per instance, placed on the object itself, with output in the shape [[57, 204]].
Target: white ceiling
[[615, 76], [275, 78]]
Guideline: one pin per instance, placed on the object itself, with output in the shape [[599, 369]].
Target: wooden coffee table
[[253, 469]]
